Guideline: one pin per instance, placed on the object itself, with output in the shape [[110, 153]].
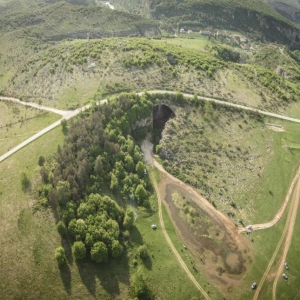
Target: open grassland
[[206, 147], [19, 122], [263, 243], [290, 288], [193, 41], [29, 237]]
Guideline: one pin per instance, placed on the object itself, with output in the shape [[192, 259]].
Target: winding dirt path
[[70, 114], [201, 201], [180, 260], [280, 211], [63, 113], [285, 237], [288, 239], [148, 158], [222, 102]]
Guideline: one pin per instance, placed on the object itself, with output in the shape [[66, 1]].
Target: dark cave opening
[[161, 114]]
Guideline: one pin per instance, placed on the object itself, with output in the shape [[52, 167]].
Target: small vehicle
[[285, 276], [286, 265], [145, 172], [253, 286], [153, 226]]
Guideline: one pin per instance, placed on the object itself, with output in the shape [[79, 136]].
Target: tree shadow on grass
[[147, 262], [87, 272], [66, 244], [113, 273], [109, 274], [135, 236], [65, 274]]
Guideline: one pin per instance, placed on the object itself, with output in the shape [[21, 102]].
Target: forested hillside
[[95, 176]]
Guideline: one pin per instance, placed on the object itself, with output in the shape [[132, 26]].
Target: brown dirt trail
[[288, 239], [286, 236]]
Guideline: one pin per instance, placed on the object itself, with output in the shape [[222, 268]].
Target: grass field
[[264, 243], [193, 41], [19, 122], [290, 288], [28, 267]]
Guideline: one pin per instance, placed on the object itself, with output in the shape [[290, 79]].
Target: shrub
[[61, 228], [142, 250], [99, 252], [79, 250], [60, 255]]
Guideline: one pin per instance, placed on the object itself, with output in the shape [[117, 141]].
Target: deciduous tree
[[79, 250], [99, 252]]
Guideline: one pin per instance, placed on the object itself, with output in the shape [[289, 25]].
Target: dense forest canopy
[[96, 173]]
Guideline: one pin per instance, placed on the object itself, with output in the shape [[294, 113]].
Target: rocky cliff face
[[255, 24], [287, 11]]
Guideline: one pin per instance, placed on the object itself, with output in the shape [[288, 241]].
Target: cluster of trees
[[99, 157]]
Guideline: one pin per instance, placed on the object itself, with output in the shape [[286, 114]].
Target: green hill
[[60, 20]]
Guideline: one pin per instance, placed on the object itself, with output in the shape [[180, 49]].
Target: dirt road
[[201, 201], [280, 211], [65, 115], [244, 107], [69, 114], [148, 158], [288, 239]]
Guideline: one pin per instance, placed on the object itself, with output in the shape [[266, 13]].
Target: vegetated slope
[[62, 20], [255, 18], [277, 60], [138, 7], [64, 76], [205, 146]]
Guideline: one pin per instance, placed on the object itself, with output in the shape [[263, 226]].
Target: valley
[[143, 161]]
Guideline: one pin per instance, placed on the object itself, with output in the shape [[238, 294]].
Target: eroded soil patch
[[217, 249]]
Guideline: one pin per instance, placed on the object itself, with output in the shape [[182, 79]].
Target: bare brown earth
[[219, 250], [180, 260]]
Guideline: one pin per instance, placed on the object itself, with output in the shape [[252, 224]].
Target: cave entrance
[[161, 114]]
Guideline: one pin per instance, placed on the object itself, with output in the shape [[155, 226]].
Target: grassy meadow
[[29, 269], [19, 122]]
